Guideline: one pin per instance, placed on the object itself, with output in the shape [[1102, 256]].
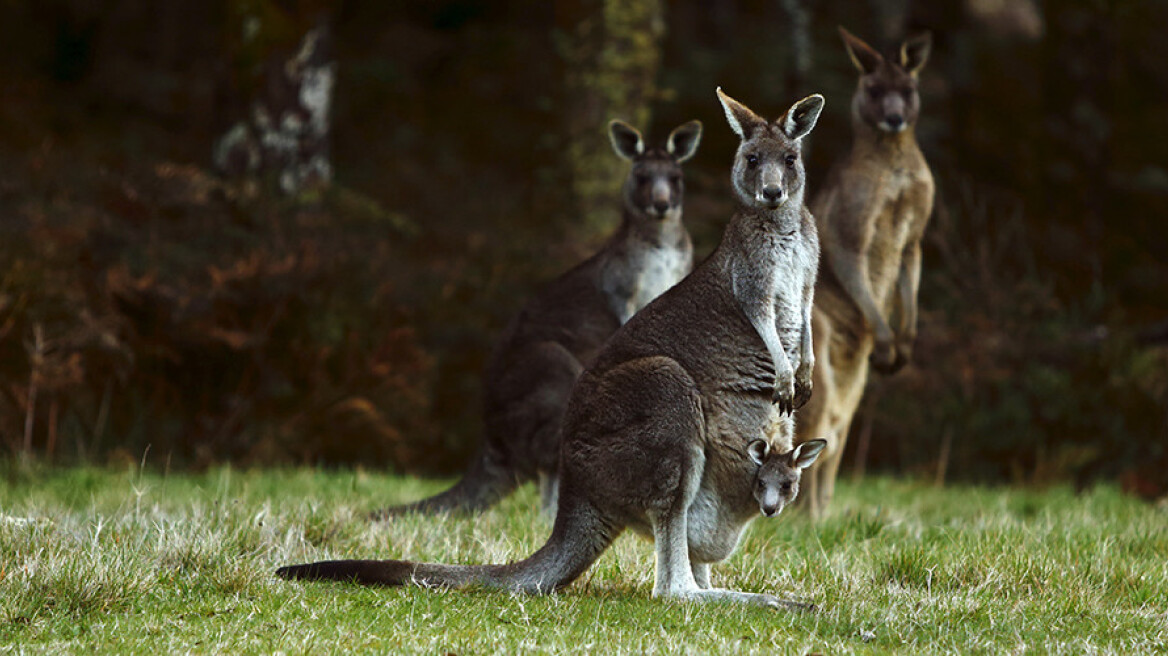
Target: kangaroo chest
[[638, 272], [788, 269], [656, 270], [899, 221]]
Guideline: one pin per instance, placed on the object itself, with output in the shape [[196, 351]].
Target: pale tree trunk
[[610, 51], [799, 13], [284, 137], [800, 50]]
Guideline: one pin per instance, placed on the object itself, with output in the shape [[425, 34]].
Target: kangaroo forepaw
[[883, 358], [904, 351], [802, 394], [784, 397], [887, 368]]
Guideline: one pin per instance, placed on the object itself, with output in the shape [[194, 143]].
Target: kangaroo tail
[[484, 484], [579, 537]]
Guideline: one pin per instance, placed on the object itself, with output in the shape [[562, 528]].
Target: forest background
[[158, 307]]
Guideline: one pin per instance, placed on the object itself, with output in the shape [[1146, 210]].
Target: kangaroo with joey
[[658, 431], [541, 353], [871, 214]]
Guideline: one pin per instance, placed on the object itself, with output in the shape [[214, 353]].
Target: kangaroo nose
[[772, 193], [661, 206], [895, 121], [770, 511]]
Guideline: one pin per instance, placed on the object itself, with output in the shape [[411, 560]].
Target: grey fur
[[536, 360], [656, 433]]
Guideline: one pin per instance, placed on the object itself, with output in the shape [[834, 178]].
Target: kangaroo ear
[[683, 141], [626, 140], [866, 59], [741, 119], [801, 118], [915, 52], [804, 455], [758, 450]]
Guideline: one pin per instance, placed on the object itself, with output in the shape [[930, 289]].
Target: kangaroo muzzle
[[893, 110], [662, 197], [771, 503], [770, 191]]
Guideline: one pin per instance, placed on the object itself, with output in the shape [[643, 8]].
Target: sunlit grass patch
[[94, 559]]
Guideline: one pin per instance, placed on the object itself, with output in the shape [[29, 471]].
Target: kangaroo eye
[[791, 159], [875, 92], [752, 160], [786, 488]]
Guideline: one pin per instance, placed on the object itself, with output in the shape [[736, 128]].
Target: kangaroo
[[657, 430], [541, 353], [871, 214]]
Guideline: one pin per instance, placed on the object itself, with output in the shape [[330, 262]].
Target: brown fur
[[871, 215]]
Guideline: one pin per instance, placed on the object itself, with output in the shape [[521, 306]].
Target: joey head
[[777, 482]]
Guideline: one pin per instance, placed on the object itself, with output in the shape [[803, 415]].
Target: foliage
[[214, 324], [201, 320], [134, 561]]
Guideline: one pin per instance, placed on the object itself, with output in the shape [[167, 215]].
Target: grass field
[[140, 562]]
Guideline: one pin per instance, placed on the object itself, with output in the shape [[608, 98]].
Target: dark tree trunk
[[890, 16]]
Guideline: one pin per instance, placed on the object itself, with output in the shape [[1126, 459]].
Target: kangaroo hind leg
[[701, 573]]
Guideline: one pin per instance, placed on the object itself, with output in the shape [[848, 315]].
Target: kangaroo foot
[[719, 595]]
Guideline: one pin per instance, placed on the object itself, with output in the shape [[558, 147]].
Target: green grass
[[131, 562]]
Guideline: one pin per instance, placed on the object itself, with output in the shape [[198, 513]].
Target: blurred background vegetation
[[150, 305]]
